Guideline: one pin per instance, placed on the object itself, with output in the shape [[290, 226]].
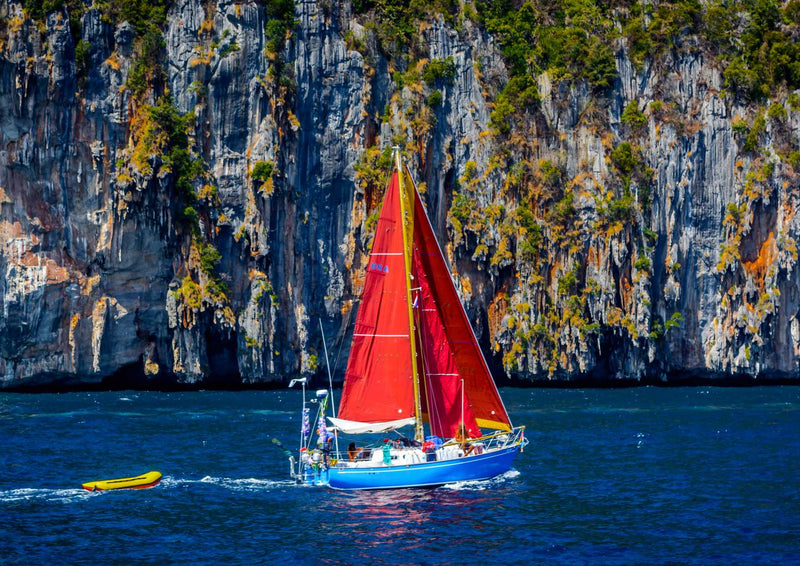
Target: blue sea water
[[631, 476]]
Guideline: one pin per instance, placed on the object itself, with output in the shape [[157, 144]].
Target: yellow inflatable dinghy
[[139, 482]]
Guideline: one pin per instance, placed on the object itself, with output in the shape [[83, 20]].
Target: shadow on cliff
[[133, 377], [686, 378]]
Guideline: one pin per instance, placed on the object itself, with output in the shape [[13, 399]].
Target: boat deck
[[403, 457]]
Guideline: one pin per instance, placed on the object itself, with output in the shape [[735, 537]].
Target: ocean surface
[[696, 475]]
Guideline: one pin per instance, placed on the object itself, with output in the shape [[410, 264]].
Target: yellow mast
[[407, 222]]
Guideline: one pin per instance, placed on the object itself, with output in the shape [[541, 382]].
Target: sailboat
[[414, 360]]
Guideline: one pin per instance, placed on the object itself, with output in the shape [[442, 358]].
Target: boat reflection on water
[[398, 510], [408, 518]]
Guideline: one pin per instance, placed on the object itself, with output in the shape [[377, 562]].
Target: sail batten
[[381, 335]]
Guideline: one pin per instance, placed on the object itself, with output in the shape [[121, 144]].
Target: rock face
[[584, 246]]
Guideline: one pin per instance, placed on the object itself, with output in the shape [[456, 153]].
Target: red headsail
[[450, 351]]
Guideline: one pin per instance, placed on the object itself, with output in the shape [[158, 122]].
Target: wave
[[233, 484], [43, 494], [270, 412], [29, 494], [481, 485]]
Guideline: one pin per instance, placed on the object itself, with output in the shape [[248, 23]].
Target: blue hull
[[479, 467]]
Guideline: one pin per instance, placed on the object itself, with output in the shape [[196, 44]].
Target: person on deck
[[354, 452], [461, 439], [326, 445]]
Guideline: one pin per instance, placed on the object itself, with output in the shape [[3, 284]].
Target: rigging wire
[[341, 340]]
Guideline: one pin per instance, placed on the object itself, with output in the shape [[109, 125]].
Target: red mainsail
[[378, 383]]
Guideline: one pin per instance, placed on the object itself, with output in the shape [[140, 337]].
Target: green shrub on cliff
[[568, 282], [636, 180], [627, 159], [550, 174], [209, 258], [262, 170], [189, 218], [656, 328], [435, 99], [190, 293], [142, 14], [439, 70], [718, 24], [741, 79], [461, 208], [38, 10], [622, 209], [161, 138], [564, 209], [643, 263], [147, 66], [520, 92], [173, 128], [530, 234], [674, 321], [572, 39], [278, 27], [569, 39], [751, 142], [396, 21], [765, 54], [82, 60], [672, 22], [499, 120], [776, 112], [374, 167], [632, 116], [754, 38]]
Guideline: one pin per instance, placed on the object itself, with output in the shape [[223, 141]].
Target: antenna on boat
[[302, 381], [330, 380], [328, 366], [462, 408]]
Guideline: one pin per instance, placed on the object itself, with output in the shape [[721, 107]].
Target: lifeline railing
[[489, 442]]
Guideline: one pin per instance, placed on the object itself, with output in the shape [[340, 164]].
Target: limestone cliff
[[185, 202]]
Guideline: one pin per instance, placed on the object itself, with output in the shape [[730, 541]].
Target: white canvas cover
[[355, 427]]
